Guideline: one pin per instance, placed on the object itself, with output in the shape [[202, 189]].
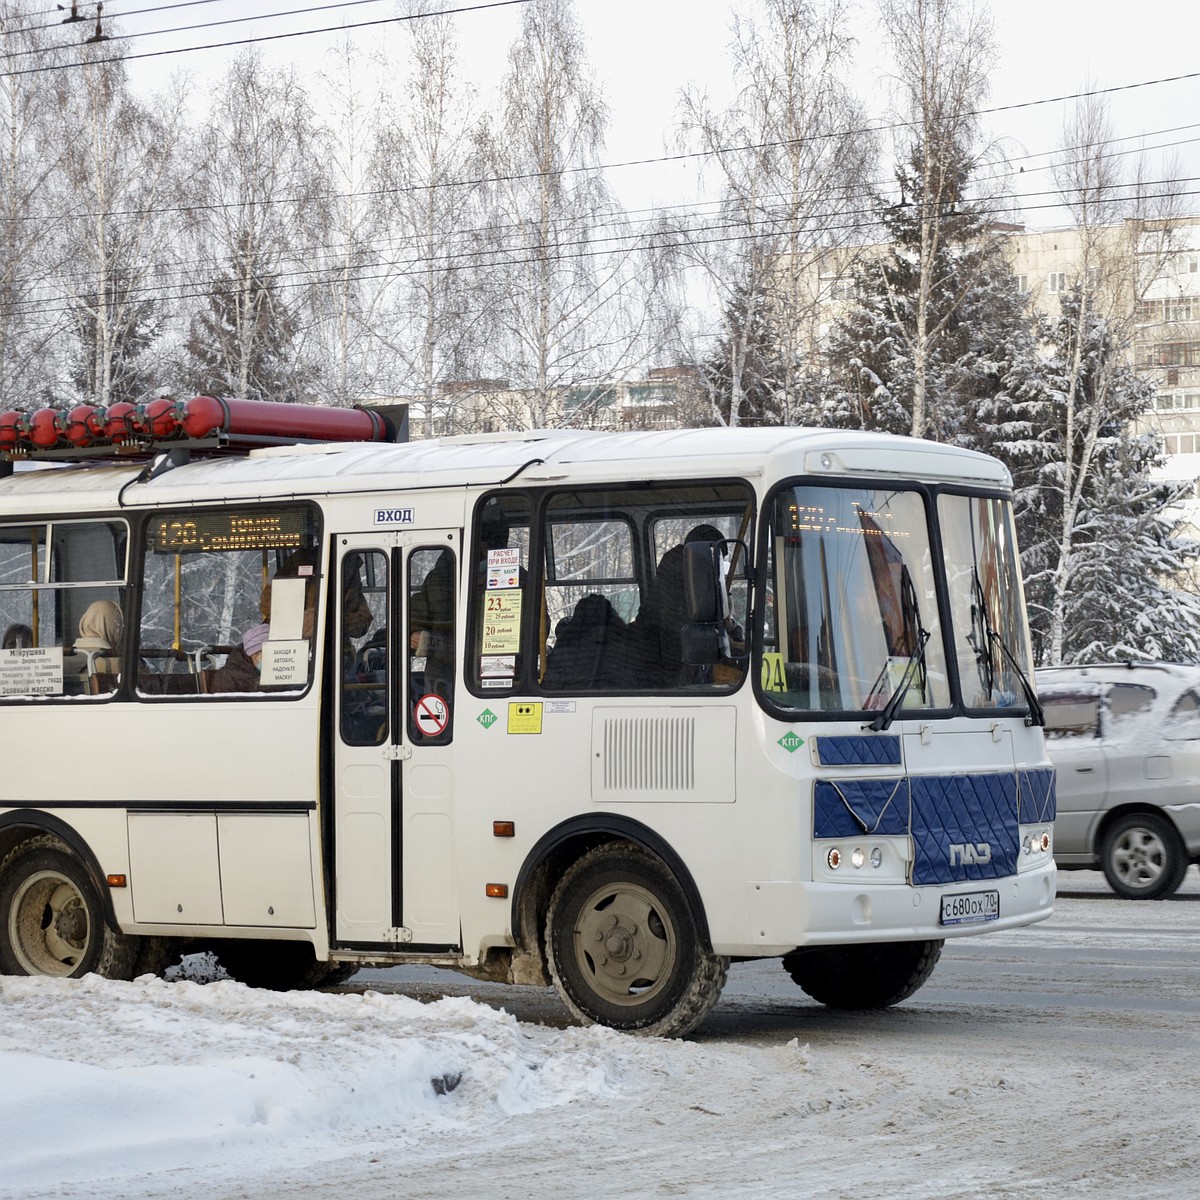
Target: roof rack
[[202, 425]]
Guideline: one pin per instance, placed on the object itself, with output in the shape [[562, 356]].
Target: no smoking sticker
[[431, 714]]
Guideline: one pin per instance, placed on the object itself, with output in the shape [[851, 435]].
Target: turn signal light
[[504, 829], [117, 880], [498, 891]]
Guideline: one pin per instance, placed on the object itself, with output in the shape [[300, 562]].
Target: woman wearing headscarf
[[96, 648], [241, 670]]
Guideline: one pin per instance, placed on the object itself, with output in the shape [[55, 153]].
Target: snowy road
[[1054, 1062]]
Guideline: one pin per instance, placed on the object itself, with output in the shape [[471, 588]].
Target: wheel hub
[[71, 925], [622, 944]]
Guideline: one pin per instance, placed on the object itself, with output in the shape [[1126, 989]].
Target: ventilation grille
[[649, 754]]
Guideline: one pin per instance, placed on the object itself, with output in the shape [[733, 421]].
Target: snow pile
[[99, 1075]]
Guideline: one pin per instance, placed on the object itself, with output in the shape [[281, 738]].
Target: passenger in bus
[[656, 633], [243, 663], [357, 617], [18, 636], [94, 662], [590, 648], [431, 626]]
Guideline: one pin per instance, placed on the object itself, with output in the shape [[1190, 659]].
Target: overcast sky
[[645, 51]]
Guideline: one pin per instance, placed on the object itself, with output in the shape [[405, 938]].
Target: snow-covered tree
[[942, 51], [789, 156], [570, 291], [265, 190], [956, 315], [1102, 558]]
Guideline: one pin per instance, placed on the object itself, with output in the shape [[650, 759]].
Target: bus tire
[[279, 966], [876, 975], [623, 945], [52, 919], [1143, 857]]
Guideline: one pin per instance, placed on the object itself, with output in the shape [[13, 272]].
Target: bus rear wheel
[[623, 945], [876, 975], [51, 918]]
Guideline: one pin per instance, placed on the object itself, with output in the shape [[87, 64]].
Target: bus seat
[[588, 648], [103, 673]]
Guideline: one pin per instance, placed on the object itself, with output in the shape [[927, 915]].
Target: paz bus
[[603, 710]]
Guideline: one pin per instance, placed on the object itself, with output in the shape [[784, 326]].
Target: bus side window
[[62, 608], [498, 591], [364, 648], [431, 644], [221, 613]]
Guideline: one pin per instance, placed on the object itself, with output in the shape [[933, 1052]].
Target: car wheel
[[623, 946], [1142, 857], [51, 918], [877, 975]]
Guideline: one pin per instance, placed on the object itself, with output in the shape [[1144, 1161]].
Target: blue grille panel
[[1038, 798], [882, 751], [966, 811], [851, 807]]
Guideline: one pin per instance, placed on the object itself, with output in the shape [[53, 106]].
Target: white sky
[[644, 51]]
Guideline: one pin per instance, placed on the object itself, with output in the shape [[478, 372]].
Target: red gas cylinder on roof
[[204, 416], [13, 425], [273, 421], [45, 428], [84, 425], [119, 422], [162, 418]]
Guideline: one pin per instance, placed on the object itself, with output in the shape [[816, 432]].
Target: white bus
[[602, 710]]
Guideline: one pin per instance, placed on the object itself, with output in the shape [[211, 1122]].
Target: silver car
[[1125, 740]]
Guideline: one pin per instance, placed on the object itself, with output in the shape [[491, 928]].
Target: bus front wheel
[[623, 946], [876, 975], [51, 918]]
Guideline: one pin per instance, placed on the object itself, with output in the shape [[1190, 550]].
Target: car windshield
[[986, 603], [851, 608]]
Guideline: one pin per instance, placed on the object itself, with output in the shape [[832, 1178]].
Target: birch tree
[[349, 286], [259, 220], [790, 162], [1125, 234], [32, 317], [568, 289], [943, 51], [118, 182], [428, 166]]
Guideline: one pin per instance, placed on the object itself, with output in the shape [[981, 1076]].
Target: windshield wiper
[[984, 655], [977, 639], [1037, 715], [916, 660]]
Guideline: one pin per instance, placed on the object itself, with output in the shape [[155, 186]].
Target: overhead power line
[[266, 37], [506, 256]]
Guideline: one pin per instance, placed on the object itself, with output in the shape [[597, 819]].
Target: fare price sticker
[[502, 622]]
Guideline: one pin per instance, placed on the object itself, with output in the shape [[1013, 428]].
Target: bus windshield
[[986, 604], [851, 609]]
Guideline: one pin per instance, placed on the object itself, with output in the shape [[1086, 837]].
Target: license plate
[[969, 907]]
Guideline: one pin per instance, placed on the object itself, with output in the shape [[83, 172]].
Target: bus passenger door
[[392, 832]]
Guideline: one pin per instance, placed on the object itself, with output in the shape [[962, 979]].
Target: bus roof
[[488, 460]]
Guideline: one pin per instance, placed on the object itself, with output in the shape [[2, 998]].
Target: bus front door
[[393, 882]]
